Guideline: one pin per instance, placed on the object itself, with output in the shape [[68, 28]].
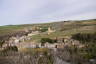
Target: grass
[[62, 28], [8, 29], [62, 33], [35, 50]]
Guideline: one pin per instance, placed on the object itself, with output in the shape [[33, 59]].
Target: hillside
[[62, 26], [68, 28], [47, 43]]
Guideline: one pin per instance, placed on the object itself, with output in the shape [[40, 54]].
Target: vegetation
[[11, 48], [89, 40], [44, 29], [69, 28], [85, 37], [44, 40], [84, 31], [82, 26], [1, 43]]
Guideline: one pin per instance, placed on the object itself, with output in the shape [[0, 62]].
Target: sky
[[41, 11]]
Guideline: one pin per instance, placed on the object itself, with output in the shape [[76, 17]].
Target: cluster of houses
[[20, 39], [14, 39], [20, 43], [61, 43]]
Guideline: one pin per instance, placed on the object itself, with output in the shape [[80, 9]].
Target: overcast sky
[[37, 11]]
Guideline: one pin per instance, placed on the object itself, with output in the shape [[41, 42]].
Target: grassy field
[[62, 28], [68, 28]]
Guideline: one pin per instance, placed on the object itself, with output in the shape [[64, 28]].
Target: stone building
[[50, 30]]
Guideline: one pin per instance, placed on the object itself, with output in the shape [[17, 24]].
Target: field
[[62, 28]]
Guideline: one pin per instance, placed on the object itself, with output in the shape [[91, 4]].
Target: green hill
[[63, 28]]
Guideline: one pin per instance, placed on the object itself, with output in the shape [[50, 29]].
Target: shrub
[[44, 40], [11, 48], [85, 37], [1, 43], [43, 29]]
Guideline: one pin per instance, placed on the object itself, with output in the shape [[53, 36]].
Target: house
[[48, 45], [33, 33], [60, 45]]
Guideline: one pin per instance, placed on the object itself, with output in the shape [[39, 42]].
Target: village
[[48, 41], [20, 41]]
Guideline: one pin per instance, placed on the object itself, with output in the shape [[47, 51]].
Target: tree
[[43, 29], [44, 40], [1, 43], [11, 48], [85, 37]]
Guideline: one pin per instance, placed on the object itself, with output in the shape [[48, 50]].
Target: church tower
[[50, 30]]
